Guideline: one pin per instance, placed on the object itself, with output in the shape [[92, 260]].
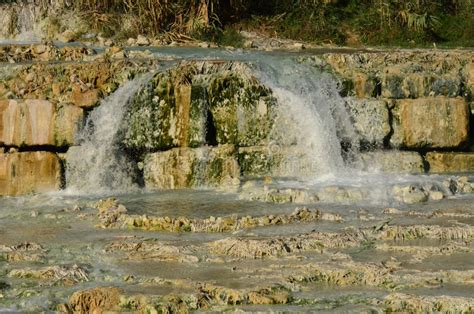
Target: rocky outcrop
[[43, 106], [29, 172], [242, 109], [38, 123], [435, 122], [210, 123], [442, 162], [169, 112], [468, 73]]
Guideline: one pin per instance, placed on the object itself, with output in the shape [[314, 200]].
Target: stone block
[[84, 98], [433, 122], [192, 167], [441, 162], [67, 123], [371, 119], [275, 161], [400, 85], [391, 162], [38, 123], [365, 85], [26, 122], [29, 172]]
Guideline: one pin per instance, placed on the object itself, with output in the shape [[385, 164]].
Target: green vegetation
[[371, 22], [342, 22]]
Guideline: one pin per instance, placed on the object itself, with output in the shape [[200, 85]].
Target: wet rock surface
[[81, 256]]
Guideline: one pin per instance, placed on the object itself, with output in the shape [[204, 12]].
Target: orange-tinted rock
[[433, 122], [450, 162], [29, 172], [85, 99], [38, 123], [26, 123], [66, 124]]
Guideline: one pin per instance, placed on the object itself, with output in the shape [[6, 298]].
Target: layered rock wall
[[210, 123], [428, 97], [43, 106]]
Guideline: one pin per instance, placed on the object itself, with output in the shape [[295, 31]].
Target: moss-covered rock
[[170, 111], [198, 103], [242, 110], [414, 85]]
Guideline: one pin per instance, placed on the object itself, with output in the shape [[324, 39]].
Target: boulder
[[38, 123], [192, 167], [441, 162], [391, 162], [96, 300], [410, 194], [433, 122], [142, 41], [371, 119], [67, 36], [29, 172]]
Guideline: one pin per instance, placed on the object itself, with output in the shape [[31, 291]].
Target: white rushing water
[[97, 165], [311, 117]]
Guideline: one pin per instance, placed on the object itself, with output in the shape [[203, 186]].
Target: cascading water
[[98, 165], [312, 119], [311, 116]]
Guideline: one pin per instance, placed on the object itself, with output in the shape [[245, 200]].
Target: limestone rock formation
[[29, 172], [397, 84], [432, 122], [199, 103], [392, 162], [192, 167], [441, 162], [371, 119], [468, 74], [38, 123], [95, 300]]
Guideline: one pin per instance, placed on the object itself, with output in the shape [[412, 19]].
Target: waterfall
[[98, 165], [311, 118]]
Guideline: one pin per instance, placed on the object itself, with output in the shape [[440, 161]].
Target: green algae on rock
[[198, 103]]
